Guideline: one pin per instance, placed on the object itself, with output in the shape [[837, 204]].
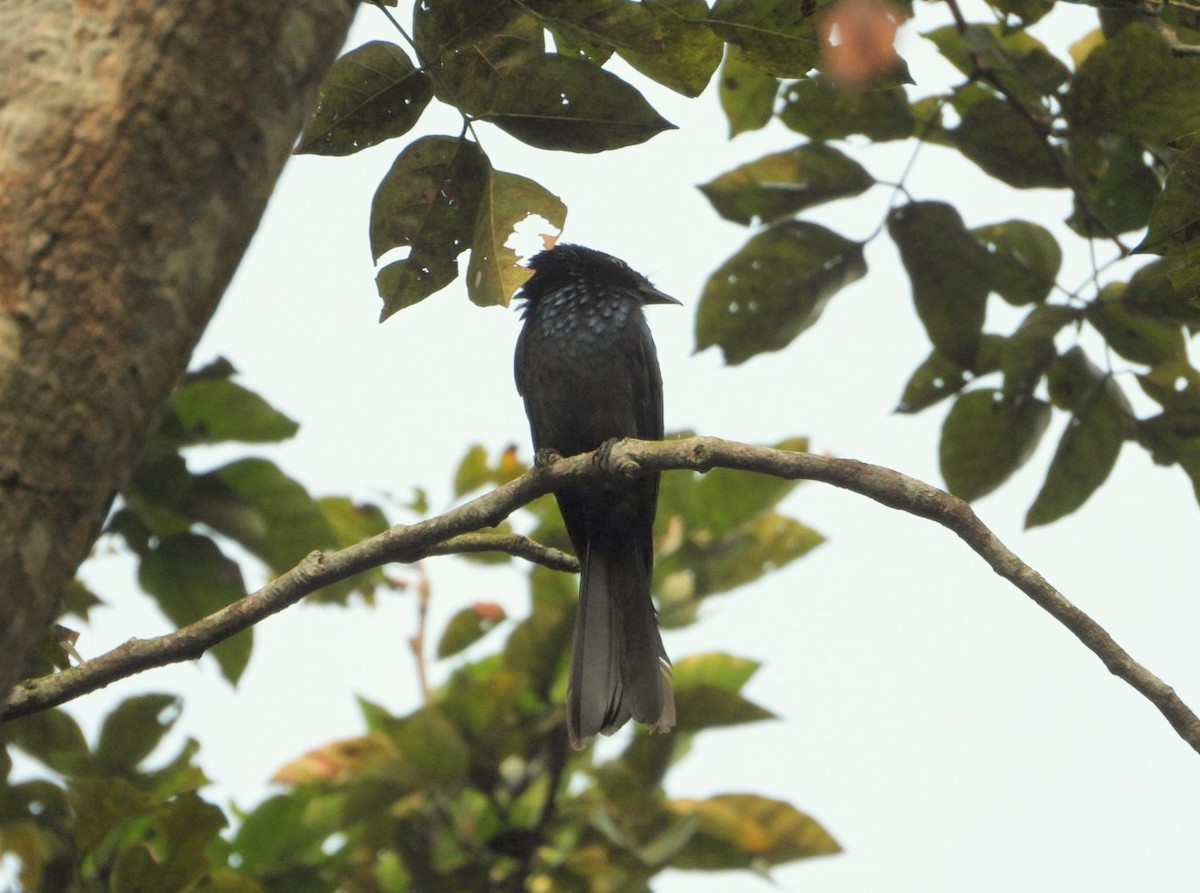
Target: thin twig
[[628, 458], [416, 641]]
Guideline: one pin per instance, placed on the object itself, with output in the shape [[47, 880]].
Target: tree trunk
[[139, 142]]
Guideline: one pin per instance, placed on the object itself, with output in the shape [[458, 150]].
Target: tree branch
[[627, 459]]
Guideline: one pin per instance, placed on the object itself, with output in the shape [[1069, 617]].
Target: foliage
[[1113, 128], [477, 789]]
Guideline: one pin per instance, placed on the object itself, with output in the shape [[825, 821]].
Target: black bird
[[587, 369]]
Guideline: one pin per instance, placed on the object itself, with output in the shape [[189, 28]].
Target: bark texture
[[139, 143]]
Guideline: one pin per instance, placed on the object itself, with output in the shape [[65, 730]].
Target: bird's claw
[[545, 457]]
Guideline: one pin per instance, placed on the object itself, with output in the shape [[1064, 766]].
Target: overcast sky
[[949, 734]]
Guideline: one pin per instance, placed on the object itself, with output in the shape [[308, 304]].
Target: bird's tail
[[619, 668]]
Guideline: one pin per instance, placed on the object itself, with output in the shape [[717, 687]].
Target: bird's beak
[[651, 295]]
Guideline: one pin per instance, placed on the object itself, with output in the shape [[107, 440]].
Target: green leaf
[[774, 288], [133, 730], [784, 183], [822, 110], [706, 707], [432, 752], [1005, 144], [747, 94], [1173, 385], [608, 24], [1132, 85], [1085, 455], [1030, 351], [101, 805], [1023, 260], [467, 627], [1175, 220], [1028, 11], [778, 37], [1137, 338], [769, 542], [1153, 293], [216, 410], [493, 39], [1072, 378], [985, 438], [725, 499], [684, 52], [1118, 188], [949, 273], [428, 202], [713, 670], [79, 600], [745, 831], [371, 94], [285, 523], [554, 102], [189, 578], [936, 378], [52, 738], [508, 199], [440, 29], [1020, 61]]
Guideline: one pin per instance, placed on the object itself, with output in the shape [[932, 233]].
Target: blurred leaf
[[706, 707], [428, 202], [776, 36], [431, 749], [189, 578], [468, 626], [1152, 293], [985, 438], [681, 52], [371, 94], [1085, 455], [949, 273], [1028, 11], [508, 199], [936, 378], [287, 523], [132, 730], [1020, 61], [747, 94], [78, 600], [1072, 378], [1173, 385], [215, 410], [554, 102], [473, 471], [1136, 338], [774, 288], [1175, 220], [784, 183], [337, 761], [725, 499], [1118, 188], [1030, 351], [822, 110], [769, 542], [1132, 85], [101, 805], [52, 738], [713, 670], [352, 523], [745, 830], [179, 774], [1006, 146], [1023, 260]]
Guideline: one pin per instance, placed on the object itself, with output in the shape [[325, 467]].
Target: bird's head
[[588, 271]]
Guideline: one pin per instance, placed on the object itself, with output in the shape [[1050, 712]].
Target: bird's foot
[[603, 456], [545, 457]]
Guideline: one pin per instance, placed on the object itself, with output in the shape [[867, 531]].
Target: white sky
[[945, 730]]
